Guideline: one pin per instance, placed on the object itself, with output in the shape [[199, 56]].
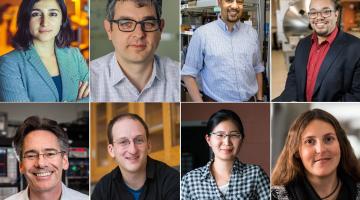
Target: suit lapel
[[334, 51], [36, 63], [65, 72], [302, 69]]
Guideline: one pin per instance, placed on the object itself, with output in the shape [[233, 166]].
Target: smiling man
[[225, 54], [327, 63], [137, 176], [133, 72], [42, 147]]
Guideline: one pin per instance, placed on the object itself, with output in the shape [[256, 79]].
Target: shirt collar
[[224, 27], [116, 75], [63, 192], [237, 166], [330, 39]]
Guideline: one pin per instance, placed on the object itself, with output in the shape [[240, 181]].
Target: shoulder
[[107, 178], [12, 56], [358, 190], [351, 39], [194, 175], [163, 168], [69, 193], [250, 168], [18, 196], [170, 66], [279, 192], [101, 63]]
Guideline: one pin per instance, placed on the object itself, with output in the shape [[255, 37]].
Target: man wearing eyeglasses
[[137, 176], [133, 72], [41, 146], [327, 63], [225, 54]]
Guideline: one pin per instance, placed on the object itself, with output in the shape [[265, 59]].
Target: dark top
[[57, 81], [162, 183], [300, 189]]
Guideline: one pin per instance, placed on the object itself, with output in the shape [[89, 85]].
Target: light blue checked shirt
[[227, 62]]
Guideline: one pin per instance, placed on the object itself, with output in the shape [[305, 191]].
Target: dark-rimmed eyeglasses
[[233, 135], [129, 25], [48, 155], [324, 13]]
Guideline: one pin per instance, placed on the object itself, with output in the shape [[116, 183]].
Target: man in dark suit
[[327, 63]]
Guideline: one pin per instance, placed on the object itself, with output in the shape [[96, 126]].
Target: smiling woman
[[43, 68], [317, 161]]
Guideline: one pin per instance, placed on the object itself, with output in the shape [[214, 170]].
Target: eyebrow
[[45, 150], [324, 8], [327, 134], [51, 9], [144, 18]]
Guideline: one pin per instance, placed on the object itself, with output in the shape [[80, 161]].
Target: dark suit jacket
[[339, 75]]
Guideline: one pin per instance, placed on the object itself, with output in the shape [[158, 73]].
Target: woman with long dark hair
[[43, 68], [317, 161]]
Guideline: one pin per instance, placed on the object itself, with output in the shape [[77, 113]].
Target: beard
[[231, 17]]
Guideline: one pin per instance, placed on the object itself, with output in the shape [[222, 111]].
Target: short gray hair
[[110, 7]]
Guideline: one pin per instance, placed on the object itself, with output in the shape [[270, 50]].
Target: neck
[[54, 193], [134, 180], [324, 185], [321, 39], [138, 73], [230, 25], [44, 49], [221, 171]]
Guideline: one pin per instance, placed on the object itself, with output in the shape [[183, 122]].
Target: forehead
[[134, 10], [128, 127], [318, 128], [39, 140], [46, 4], [321, 4], [226, 125]]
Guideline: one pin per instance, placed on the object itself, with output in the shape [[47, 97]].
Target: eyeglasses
[[237, 1], [48, 155], [233, 135], [125, 142], [129, 25], [324, 13]]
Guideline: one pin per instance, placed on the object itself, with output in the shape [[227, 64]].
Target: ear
[[149, 146], [65, 162], [162, 25], [207, 138], [107, 27], [111, 150], [21, 167]]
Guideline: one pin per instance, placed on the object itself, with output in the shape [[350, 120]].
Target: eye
[[310, 141], [53, 14], [126, 24], [35, 14], [31, 156], [329, 139], [123, 142], [50, 154], [139, 140]]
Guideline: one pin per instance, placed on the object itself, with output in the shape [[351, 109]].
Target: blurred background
[[163, 120], [73, 118], [289, 24], [169, 43], [282, 115], [195, 152], [77, 12]]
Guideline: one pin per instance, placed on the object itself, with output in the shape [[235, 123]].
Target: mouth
[[320, 24], [132, 158], [44, 31], [43, 174], [322, 160]]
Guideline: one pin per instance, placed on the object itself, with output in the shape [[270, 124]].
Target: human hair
[[224, 115], [289, 165], [34, 123], [110, 7], [23, 38], [125, 116]]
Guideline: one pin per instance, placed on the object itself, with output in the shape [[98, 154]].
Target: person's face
[[44, 173], [224, 148], [319, 149], [45, 21], [137, 46], [323, 26], [231, 10], [130, 146]]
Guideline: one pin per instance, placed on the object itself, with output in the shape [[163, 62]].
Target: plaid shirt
[[246, 182]]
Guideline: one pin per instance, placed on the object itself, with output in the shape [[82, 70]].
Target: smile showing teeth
[[43, 174]]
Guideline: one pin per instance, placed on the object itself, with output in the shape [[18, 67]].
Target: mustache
[[233, 10]]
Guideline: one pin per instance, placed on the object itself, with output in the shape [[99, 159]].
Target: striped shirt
[[109, 83], [227, 62]]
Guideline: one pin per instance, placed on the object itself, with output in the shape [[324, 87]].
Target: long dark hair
[[23, 38]]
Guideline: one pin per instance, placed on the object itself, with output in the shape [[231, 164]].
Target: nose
[[138, 32], [44, 20], [41, 161], [319, 147], [132, 148], [226, 140]]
